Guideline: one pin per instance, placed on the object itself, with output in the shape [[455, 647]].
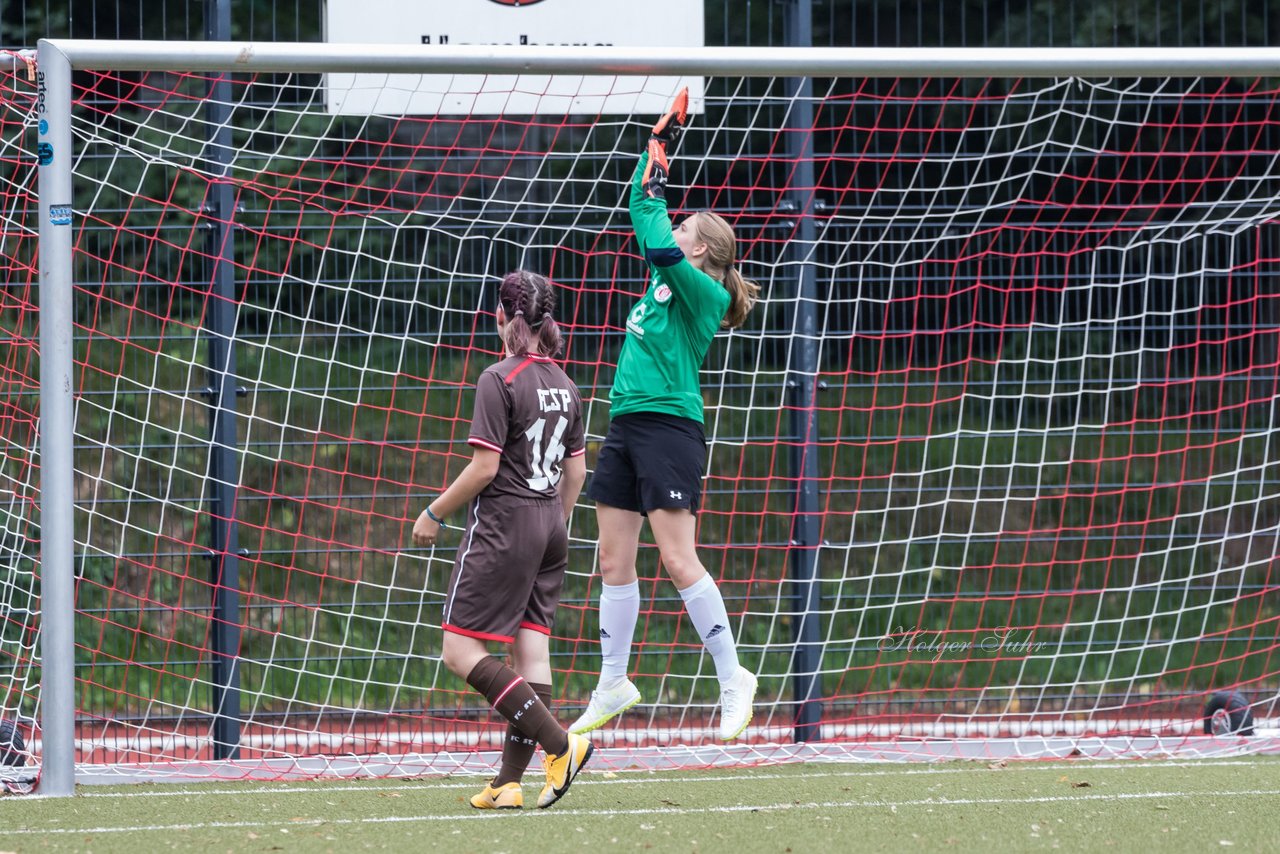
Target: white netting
[[1043, 358]]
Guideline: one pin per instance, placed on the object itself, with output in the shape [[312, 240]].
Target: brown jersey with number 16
[[528, 410], [514, 550]]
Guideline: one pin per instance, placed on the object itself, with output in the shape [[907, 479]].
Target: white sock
[[706, 608], [619, 609]]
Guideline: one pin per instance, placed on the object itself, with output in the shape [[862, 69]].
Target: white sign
[[597, 23]]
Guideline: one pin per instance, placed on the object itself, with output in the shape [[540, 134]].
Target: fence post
[[57, 425], [802, 377], [220, 319]]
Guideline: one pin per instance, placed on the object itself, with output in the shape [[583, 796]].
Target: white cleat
[[606, 704], [736, 704]]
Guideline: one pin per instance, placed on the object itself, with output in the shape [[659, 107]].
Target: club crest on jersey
[[662, 294]]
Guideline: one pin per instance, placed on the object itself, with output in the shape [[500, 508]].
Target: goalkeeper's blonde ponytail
[[722, 264]]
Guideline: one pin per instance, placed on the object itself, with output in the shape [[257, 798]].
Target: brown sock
[[517, 748], [515, 700]]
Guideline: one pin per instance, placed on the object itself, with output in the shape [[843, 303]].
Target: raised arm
[[648, 203], [652, 222]]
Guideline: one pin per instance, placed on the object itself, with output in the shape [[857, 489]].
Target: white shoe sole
[[750, 714], [579, 727]]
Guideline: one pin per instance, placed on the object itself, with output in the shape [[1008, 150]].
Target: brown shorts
[[510, 568]]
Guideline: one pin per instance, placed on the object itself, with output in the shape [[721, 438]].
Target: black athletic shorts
[[650, 461]]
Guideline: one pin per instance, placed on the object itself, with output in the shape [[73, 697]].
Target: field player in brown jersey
[[524, 477]]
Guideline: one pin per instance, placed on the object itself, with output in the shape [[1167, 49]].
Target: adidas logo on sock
[[605, 635], [715, 630]]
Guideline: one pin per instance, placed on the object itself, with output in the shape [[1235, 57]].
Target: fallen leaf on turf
[[996, 766], [1081, 785]]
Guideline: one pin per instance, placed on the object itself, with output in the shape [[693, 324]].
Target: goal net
[[1030, 397]]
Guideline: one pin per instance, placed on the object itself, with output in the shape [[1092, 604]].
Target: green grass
[[815, 807]]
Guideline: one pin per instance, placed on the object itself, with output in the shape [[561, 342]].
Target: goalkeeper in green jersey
[[655, 453]]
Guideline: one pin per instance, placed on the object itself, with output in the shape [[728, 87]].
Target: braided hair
[[529, 302]]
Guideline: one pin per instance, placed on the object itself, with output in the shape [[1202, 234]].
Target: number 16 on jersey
[[546, 462]]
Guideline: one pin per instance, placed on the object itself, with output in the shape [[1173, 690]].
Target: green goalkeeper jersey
[[670, 329]]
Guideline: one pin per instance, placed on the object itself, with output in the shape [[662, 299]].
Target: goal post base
[[683, 757]]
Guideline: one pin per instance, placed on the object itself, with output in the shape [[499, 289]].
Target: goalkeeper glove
[[670, 126], [665, 132]]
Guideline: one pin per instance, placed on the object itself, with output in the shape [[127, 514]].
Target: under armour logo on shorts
[[677, 495]]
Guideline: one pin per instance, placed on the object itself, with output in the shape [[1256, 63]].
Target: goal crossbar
[[207, 56]]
